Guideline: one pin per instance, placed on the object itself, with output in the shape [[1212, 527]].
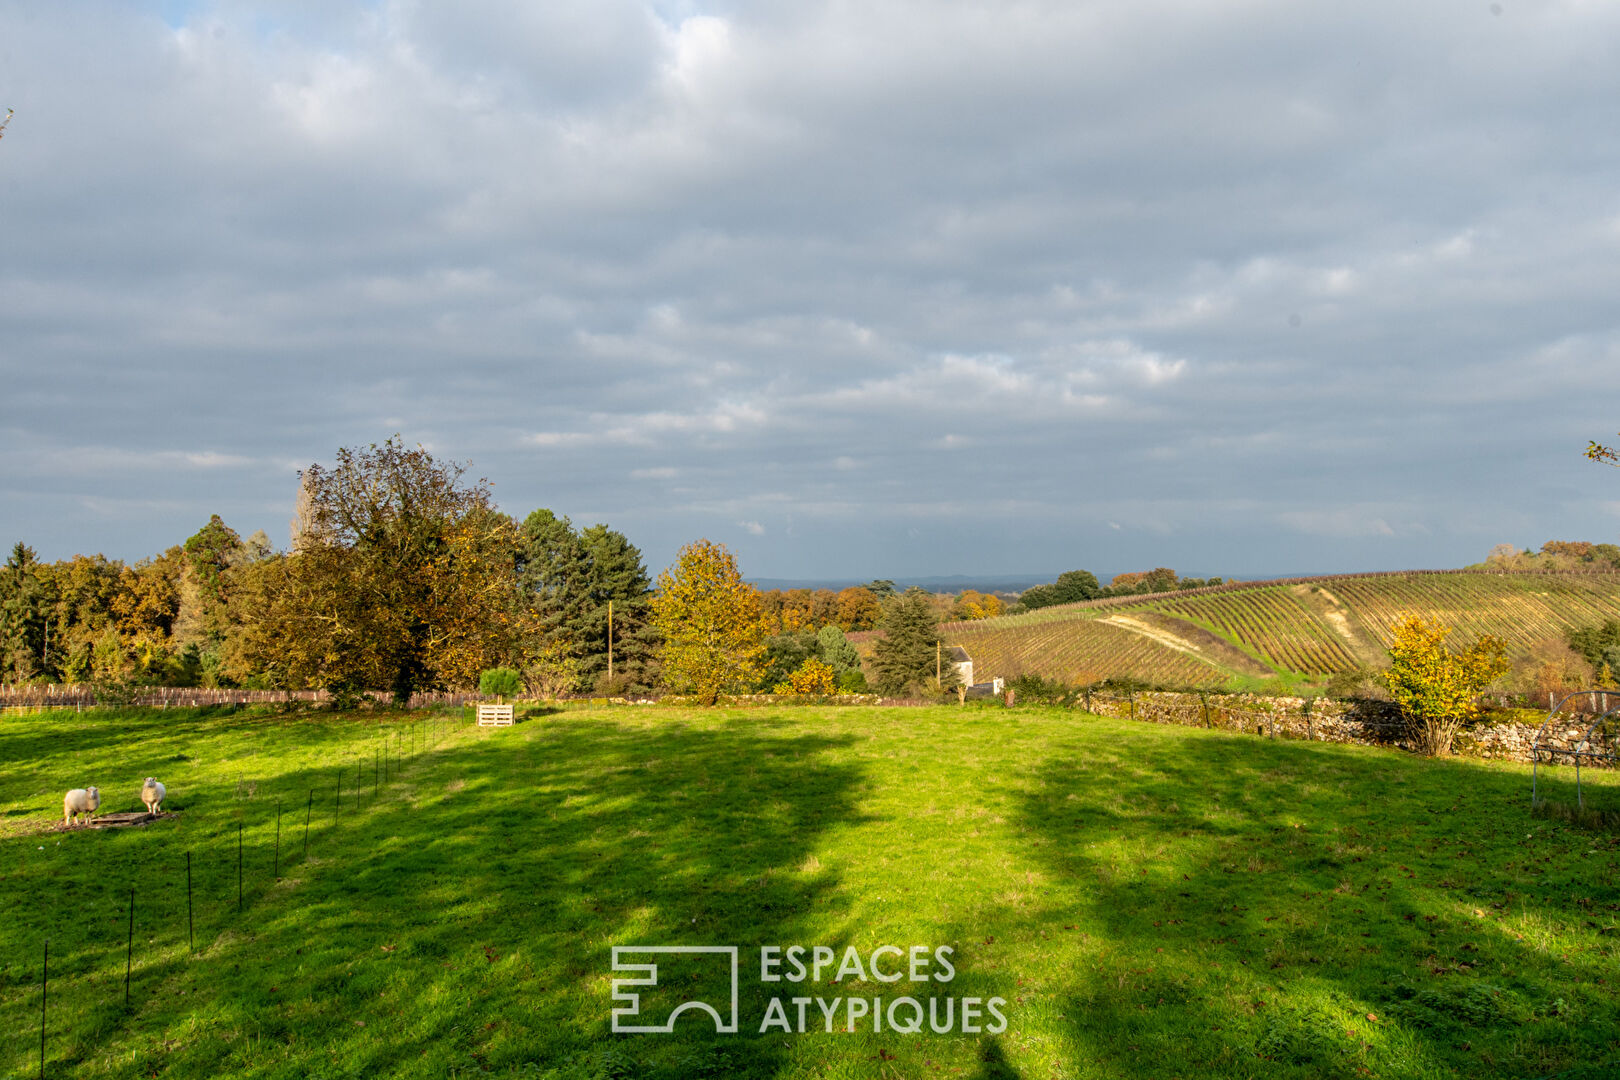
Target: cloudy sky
[[858, 289]]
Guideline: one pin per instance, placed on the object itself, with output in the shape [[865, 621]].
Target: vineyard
[[1081, 650], [1311, 627]]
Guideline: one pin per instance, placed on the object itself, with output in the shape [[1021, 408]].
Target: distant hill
[[1302, 626], [953, 583]]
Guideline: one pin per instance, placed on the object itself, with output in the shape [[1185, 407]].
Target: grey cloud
[[947, 288]]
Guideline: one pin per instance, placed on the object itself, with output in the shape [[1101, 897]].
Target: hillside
[[1311, 627]]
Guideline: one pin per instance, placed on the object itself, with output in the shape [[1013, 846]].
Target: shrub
[[500, 681], [852, 681], [1033, 689], [618, 686], [813, 678]]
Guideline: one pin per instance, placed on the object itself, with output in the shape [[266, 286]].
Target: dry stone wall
[[1365, 722]]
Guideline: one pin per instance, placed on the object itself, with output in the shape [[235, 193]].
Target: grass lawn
[[1149, 901]]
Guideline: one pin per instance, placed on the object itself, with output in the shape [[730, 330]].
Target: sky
[[1240, 287]]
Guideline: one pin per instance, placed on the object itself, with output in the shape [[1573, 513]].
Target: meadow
[[1148, 901]]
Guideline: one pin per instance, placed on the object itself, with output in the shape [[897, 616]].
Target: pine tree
[[24, 609], [570, 578], [618, 575], [835, 650], [555, 575], [909, 654]]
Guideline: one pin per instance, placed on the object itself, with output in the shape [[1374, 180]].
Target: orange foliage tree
[[1438, 690], [711, 622], [401, 577]]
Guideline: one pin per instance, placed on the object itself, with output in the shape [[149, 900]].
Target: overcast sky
[[858, 289]]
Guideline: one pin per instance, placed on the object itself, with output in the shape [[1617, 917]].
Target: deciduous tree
[[709, 617], [858, 609], [403, 577], [972, 604], [1438, 690]]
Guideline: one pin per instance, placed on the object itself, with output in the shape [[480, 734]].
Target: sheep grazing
[[80, 801], [152, 793]]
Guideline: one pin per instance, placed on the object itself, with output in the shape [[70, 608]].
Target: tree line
[[403, 575], [1077, 585]]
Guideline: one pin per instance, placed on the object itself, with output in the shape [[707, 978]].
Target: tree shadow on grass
[[468, 920], [1306, 910]]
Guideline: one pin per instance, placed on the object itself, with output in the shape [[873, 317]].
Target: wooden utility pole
[[939, 669], [610, 641]]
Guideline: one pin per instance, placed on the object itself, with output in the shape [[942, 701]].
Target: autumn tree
[[972, 604], [710, 620], [907, 656], [144, 611], [858, 609], [402, 577], [83, 642], [1437, 689]]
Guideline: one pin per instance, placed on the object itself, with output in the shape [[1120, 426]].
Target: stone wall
[[1366, 722]]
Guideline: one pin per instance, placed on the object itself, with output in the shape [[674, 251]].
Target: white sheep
[[80, 801], [152, 793]]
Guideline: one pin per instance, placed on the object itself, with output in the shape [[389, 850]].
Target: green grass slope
[[1150, 901], [1307, 627]]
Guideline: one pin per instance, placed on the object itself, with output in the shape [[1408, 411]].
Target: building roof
[[957, 654]]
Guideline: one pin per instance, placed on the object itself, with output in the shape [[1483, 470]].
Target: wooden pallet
[[495, 715]]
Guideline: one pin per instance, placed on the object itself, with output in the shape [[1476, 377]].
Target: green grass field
[[1149, 901]]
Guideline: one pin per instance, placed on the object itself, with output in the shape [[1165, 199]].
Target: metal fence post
[[129, 946]]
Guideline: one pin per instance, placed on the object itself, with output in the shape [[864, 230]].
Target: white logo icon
[[648, 973]]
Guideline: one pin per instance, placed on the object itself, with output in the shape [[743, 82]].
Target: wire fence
[[221, 878]]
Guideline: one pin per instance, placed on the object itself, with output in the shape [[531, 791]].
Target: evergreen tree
[[24, 611], [570, 578], [836, 651], [555, 575], [908, 655], [617, 574], [203, 620]]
